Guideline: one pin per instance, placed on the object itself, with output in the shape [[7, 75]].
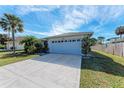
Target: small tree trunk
[[13, 38]]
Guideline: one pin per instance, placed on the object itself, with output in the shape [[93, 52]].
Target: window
[[52, 41], [58, 41], [73, 40], [69, 40], [78, 39], [65, 40], [55, 41], [62, 41]]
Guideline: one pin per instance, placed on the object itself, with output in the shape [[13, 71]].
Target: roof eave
[[52, 37]]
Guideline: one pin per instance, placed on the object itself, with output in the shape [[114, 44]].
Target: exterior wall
[[73, 47], [115, 48], [17, 45]]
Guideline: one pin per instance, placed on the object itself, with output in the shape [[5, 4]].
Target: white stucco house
[[18, 46], [67, 43]]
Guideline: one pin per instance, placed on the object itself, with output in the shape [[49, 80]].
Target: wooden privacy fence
[[114, 48]]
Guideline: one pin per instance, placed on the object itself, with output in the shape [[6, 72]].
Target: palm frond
[[10, 22]]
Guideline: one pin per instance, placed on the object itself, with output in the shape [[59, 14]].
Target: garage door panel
[[66, 47]]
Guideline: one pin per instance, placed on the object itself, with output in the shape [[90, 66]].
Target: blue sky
[[42, 21]]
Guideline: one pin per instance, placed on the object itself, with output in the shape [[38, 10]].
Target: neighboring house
[[115, 40], [113, 46], [67, 43], [18, 46]]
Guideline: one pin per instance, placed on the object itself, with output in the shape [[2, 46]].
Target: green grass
[[103, 70], [8, 57]]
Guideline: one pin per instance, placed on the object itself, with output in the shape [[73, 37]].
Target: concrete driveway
[[51, 70]]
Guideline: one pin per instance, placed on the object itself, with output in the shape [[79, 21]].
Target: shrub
[[12, 48], [2, 46], [86, 44], [26, 48], [32, 44], [28, 42], [31, 49], [45, 49], [39, 46]]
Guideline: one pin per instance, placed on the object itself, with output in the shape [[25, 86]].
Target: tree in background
[[11, 23], [93, 41], [3, 39], [101, 40], [120, 31]]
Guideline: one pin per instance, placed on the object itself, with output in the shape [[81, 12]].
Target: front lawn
[[8, 57], [103, 70]]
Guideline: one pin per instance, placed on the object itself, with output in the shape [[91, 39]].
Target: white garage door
[[65, 46]]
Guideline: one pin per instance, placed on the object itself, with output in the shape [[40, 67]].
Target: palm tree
[[11, 23], [87, 42], [93, 41], [120, 31], [101, 39]]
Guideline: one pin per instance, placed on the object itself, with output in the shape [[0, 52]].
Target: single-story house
[[18, 46], [67, 43]]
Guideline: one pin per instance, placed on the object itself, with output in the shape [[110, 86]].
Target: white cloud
[[23, 10], [40, 33], [110, 13], [75, 16]]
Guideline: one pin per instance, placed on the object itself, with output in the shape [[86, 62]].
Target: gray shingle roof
[[18, 38], [70, 34]]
